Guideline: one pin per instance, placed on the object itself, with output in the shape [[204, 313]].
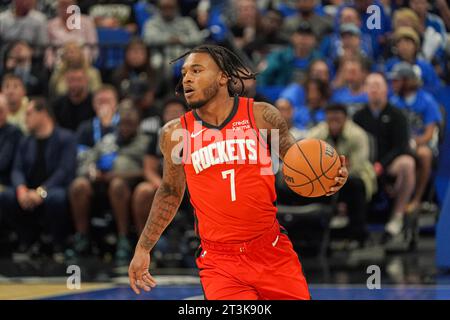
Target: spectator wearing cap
[[291, 64], [22, 22], [388, 126], [74, 107], [407, 47], [424, 118], [349, 44], [173, 108], [349, 84], [43, 168], [321, 25], [10, 136], [332, 44], [350, 139], [60, 32], [113, 166], [20, 61], [16, 97]]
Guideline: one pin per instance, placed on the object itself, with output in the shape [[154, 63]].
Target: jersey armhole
[[184, 150], [251, 117]]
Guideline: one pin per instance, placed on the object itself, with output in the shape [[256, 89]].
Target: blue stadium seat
[[112, 43]]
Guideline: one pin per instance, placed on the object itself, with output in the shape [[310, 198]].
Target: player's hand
[[138, 271], [341, 179]]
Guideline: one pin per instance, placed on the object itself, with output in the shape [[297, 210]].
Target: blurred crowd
[[83, 98]]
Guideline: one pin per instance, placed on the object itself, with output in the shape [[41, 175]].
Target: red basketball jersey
[[229, 176]]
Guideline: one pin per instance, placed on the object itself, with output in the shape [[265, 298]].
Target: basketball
[[310, 167]]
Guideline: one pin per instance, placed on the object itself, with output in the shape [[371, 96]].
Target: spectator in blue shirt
[[424, 118], [407, 46], [332, 44], [377, 35], [313, 111], [349, 84], [295, 93], [291, 64]]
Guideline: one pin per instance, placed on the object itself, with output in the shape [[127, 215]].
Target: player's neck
[[217, 110]]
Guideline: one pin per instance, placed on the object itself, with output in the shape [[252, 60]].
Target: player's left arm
[[269, 118]]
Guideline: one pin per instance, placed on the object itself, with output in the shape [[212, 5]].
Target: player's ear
[[224, 79]]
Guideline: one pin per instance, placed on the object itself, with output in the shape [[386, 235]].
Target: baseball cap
[[403, 70]]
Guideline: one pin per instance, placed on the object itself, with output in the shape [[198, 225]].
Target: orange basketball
[[310, 167]]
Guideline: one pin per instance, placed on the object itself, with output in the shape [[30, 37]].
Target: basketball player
[[245, 254]]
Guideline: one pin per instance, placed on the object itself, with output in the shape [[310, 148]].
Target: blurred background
[[83, 98]]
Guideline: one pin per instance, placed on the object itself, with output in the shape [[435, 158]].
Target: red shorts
[[266, 268]]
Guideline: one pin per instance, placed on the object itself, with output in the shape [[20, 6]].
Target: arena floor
[[343, 276]]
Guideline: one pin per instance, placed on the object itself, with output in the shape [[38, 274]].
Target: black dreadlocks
[[228, 62]]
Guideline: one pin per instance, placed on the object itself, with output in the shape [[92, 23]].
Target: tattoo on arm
[[274, 120], [167, 198]]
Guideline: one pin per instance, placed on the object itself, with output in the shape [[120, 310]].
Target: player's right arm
[[165, 205]]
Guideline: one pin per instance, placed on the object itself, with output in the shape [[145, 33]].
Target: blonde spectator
[[72, 56]]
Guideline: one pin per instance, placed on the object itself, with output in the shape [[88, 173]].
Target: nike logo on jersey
[[195, 134]]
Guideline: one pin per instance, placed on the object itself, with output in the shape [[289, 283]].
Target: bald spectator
[[61, 32], [15, 92], [389, 128], [23, 22]]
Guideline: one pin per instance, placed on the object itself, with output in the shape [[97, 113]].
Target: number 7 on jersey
[[232, 184]]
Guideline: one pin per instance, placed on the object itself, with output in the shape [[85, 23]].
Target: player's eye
[[197, 71]]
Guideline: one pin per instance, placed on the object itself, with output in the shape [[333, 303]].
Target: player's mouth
[[188, 92]]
